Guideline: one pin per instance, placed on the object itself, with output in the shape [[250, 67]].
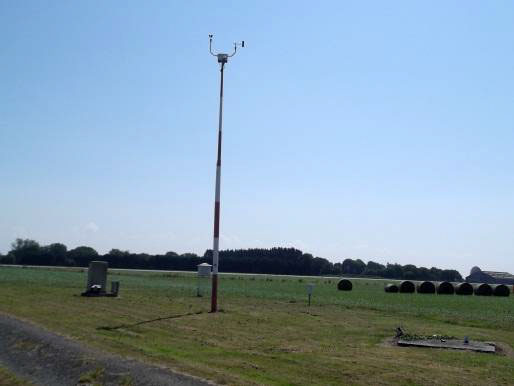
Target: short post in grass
[[310, 288]]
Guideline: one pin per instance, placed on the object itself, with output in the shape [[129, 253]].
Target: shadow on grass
[[111, 328]]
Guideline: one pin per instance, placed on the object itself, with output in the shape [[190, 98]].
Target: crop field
[[265, 333]]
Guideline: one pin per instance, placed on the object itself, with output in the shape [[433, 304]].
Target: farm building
[[478, 276]]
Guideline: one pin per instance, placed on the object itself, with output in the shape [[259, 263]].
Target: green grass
[[9, 379], [265, 333]]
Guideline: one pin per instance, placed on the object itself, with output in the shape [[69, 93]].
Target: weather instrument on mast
[[223, 58]]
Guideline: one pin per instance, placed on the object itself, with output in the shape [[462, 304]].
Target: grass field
[[9, 379], [265, 333]]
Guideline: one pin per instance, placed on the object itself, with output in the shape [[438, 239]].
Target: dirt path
[[45, 358]]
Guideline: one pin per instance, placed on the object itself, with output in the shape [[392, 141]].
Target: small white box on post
[[204, 272]]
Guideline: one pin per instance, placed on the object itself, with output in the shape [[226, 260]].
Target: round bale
[[464, 289], [501, 290], [426, 287], [482, 289], [407, 287], [344, 285], [391, 288], [445, 288]]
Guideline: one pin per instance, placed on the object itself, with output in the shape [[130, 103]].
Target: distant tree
[[337, 269], [25, 251], [6, 259], [393, 271], [160, 262], [54, 254], [118, 252], [82, 256], [347, 266], [353, 267], [189, 255], [288, 261], [305, 264], [140, 260], [410, 272], [120, 259], [425, 274], [9, 259], [374, 269], [450, 275], [436, 273], [321, 266]]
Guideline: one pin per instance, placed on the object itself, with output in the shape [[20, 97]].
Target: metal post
[[198, 286], [222, 60]]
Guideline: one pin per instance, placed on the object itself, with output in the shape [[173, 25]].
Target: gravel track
[[45, 358]]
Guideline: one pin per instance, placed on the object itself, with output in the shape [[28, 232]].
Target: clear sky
[[379, 130]]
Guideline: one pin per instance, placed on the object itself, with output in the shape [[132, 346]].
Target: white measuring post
[[310, 289]]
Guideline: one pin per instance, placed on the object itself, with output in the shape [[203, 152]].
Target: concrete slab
[[455, 344]]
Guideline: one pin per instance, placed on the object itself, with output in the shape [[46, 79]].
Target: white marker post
[[310, 288]]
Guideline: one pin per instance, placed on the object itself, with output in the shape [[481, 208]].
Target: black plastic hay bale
[[426, 287], [391, 288], [344, 285], [445, 288], [501, 290], [483, 289], [464, 289], [407, 287]]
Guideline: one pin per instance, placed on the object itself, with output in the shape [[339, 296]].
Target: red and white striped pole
[[222, 60], [216, 241]]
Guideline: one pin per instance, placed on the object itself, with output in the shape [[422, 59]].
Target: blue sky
[[364, 129]]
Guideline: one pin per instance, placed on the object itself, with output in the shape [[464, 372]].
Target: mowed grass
[[265, 332]]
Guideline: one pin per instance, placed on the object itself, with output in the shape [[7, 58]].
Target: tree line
[[286, 261]]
